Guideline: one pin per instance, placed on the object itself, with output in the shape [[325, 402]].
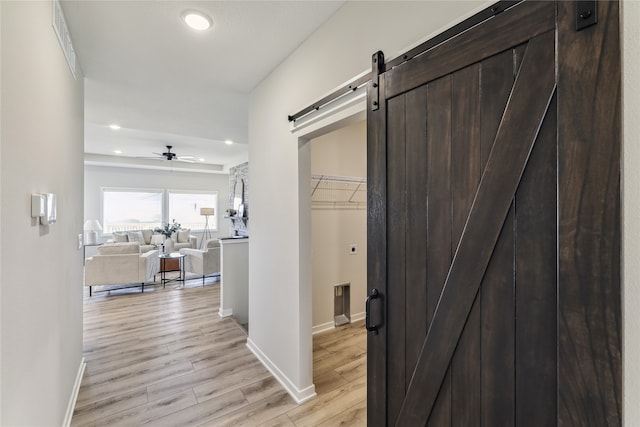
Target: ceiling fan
[[169, 155]]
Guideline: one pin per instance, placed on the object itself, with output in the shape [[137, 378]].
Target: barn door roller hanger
[[586, 14]]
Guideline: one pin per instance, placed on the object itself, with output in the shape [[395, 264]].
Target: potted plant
[[167, 231]]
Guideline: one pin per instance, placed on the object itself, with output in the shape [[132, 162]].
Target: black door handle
[[373, 294]]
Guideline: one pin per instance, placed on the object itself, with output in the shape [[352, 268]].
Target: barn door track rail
[[586, 16], [353, 85]]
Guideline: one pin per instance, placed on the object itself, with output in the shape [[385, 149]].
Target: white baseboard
[[225, 313], [331, 325], [322, 327], [358, 316], [298, 395], [74, 394]]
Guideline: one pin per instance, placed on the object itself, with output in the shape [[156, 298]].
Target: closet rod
[[461, 27]]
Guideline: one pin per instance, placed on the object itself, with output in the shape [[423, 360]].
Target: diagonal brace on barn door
[[528, 104]]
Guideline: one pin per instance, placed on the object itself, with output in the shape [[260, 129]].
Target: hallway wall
[[42, 146]]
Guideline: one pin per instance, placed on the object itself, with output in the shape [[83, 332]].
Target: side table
[[165, 267]]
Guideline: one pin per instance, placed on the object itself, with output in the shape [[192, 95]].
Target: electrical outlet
[[80, 242], [353, 249]]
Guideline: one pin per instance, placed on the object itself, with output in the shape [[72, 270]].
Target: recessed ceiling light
[[197, 20], [201, 159], [114, 126], [228, 142], [117, 151]]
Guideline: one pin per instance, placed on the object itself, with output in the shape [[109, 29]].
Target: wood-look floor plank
[[90, 393], [353, 370], [147, 413], [279, 421], [165, 357], [339, 358], [231, 381], [253, 413], [92, 412], [352, 417], [203, 413], [258, 390], [192, 379], [328, 381]]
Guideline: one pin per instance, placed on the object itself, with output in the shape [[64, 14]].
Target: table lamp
[[92, 226]]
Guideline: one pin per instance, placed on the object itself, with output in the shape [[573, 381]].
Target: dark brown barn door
[[494, 226]]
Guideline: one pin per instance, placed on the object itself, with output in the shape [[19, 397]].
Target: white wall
[[340, 153], [41, 277], [0, 214], [102, 176], [280, 263], [631, 207]]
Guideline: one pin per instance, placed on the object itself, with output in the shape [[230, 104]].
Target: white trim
[[358, 316], [300, 396], [234, 241], [74, 394], [331, 91], [339, 113], [225, 312], [331, 325], [108, 160], [323, 327], [351, 107]]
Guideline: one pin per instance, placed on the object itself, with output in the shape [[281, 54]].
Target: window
[[127, 209], [185, 209]]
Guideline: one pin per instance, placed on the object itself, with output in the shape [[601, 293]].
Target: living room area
[[190, 208]]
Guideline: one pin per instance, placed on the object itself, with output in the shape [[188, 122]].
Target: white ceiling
[[166, 84]]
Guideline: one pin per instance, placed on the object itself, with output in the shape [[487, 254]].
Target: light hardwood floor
[[166, 358]]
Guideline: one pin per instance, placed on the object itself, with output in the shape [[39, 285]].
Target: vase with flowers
[[167, 231]]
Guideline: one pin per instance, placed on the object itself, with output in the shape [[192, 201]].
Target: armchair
[[203, 262], [118, 263]]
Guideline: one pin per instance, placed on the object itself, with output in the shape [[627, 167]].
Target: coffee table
[[165, 267]]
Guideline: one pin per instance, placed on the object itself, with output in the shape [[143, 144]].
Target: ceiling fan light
[[196, 20]]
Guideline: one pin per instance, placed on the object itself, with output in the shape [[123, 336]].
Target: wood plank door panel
[[466, 201]]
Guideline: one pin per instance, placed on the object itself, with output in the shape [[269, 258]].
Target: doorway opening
[[338, 165], [332, 159]]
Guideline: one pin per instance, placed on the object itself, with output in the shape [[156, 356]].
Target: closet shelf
[[338, 192]]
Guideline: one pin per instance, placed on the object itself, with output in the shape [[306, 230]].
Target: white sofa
[[203, 262], [181, 239], [119, 263]]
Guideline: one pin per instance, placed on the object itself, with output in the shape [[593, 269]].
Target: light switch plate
[[80, 242]]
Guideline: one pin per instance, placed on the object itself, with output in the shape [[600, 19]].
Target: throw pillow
[[120, 237], [183, 236], [136, 236], [147, 233]]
